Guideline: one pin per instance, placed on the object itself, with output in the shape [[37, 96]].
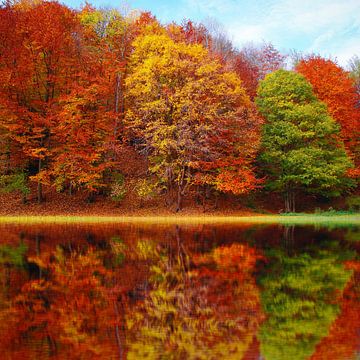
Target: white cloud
[[243, 33], [328, 27]]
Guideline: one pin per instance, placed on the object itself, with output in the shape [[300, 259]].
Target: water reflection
[[170, 292]]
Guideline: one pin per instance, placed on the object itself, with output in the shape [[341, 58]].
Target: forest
[[113, 104]]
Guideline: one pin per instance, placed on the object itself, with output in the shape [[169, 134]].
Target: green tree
[[301, 150]]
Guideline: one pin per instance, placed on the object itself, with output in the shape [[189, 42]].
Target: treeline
[[79, 86]]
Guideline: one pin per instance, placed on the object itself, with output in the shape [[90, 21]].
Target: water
[[179, 292]]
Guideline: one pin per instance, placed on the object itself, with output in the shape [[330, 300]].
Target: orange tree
[[334, 86]]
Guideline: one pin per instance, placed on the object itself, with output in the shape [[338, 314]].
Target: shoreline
[[347, 219]]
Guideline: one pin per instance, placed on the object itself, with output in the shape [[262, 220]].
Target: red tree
[[336, 89]]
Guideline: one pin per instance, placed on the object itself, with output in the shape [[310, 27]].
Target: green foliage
[[118, 187], [301, 150], [298, 298], [353, 203], [13, 256], [15, 183]]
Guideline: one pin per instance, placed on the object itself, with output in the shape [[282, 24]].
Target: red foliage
[[336, 89], [248, 72]]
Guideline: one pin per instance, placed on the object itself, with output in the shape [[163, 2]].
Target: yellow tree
[[181, 106]]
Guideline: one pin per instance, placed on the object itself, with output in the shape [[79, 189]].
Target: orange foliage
[[336, 89], [69, 309]]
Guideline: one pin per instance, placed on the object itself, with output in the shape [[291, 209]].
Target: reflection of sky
[[328, 27]]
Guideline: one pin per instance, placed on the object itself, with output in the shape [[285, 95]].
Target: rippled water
[[179, 292]]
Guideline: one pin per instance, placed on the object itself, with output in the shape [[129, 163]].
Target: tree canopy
[[301, 148]]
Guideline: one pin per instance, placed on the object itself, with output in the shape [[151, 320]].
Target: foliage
[[15, 182], [333, 86], [118, 188], [35, 68], [301, 150], [146, 189], [182, 95], [13, 256], [353, 203], [252, 64], [181, 103]]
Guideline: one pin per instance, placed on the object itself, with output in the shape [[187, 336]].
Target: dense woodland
[[85, 94]]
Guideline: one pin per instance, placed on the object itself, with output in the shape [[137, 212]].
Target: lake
[[168, 291]]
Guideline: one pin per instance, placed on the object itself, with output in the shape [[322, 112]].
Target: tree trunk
[[289, 200], [39, 187], [180, 190], [179, 199], [216, 201]]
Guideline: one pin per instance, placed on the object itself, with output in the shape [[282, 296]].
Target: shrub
[[353, 203], [118, 188], [146, 189], [15, 183]]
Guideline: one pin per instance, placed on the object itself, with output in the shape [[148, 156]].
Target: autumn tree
[[354, 67], [248, 72], [89, 116], [253, 63], [108, 36], [334, 86], [83, 136], [37, 66], [180, 102], [301, 149]]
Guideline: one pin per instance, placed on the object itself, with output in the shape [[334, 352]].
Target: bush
[[353, 203], [118, 189], [15, 183], [146, 189]]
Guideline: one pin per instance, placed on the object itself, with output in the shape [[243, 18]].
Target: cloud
[[328, 27]]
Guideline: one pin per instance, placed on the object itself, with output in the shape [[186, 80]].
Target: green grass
[[325, 213], [291, 219]]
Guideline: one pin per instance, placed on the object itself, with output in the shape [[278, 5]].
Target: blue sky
[[328, 27]]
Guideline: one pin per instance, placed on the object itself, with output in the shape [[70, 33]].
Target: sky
[[330, 28]]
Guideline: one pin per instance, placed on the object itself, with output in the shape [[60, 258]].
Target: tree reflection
[[124, 296], [300, 296], [68, 313], [198, 307], [343, 339]]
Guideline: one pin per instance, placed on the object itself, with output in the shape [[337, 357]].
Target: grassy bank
[[294, 219]]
